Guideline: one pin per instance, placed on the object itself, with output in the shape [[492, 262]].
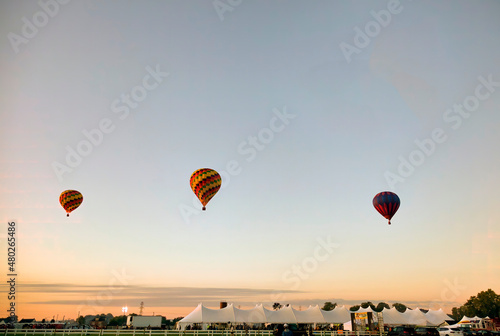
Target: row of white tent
[[313, 314], [474, 322]]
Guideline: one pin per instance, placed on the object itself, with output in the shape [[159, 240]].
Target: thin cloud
[[182, 296], [156, 296]]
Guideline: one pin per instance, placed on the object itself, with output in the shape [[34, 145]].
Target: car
[[402, 331], [485, 333], [467, 331], [450, 331], [426, 331]]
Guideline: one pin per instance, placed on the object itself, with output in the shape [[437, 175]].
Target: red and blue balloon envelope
[[70, 200], [386, 203], [205, 183]]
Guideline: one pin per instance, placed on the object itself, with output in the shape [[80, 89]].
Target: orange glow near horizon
[[38, 305]]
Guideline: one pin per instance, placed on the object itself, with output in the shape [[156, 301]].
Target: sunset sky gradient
[[307, 109]]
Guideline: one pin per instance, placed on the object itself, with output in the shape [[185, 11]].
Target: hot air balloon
[[386, 203], [205, 183], [70, 200]]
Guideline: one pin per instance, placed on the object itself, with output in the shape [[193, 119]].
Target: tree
[[368, 304], [109, 317], [80, 320], [381, 306], [399, 307], [486, 303], [171, 323], [277, 306], [329, 306], [118, 321]]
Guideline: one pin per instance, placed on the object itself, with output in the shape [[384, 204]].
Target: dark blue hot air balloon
[[386, 203]]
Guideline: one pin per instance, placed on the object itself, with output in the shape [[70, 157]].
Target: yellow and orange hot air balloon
[[205, 183], [70, 200]]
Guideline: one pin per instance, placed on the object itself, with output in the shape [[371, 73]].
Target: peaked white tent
[[416, 317], [337, 315], [437, 317], [202, 314], [393, 316], [254, 315], [310, 315], [474, 322], [283, 315], [365, 310], [313, 314]]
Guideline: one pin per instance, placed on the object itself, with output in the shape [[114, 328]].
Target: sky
[[306, 109]]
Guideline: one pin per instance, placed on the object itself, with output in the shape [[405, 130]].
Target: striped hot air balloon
[[205, 183], [70, 200], [386, 203]]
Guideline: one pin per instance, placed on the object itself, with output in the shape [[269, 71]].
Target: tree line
[[485, 303]]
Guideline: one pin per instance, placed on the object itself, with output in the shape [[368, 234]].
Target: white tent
[[393, 316], [310, 315], [283, 315], [202, 314], [474, 322], [416, 317], [365, 310], [437, 317], [254, 315], [337, 315], [313, 314]]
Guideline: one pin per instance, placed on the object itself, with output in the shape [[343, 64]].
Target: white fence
[[139, 332]]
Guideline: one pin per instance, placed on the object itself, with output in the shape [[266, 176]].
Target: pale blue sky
[[313, 177]]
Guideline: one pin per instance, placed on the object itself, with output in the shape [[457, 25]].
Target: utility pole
[[141, 308]]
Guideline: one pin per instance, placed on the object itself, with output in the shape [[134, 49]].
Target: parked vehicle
[[450, 331], [140, 321], [426, 331], [486, 333], [467, 331], [402, 331]]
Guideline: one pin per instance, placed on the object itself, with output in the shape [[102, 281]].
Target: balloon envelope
[[70, 200], [386, 203], [205, 183]]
